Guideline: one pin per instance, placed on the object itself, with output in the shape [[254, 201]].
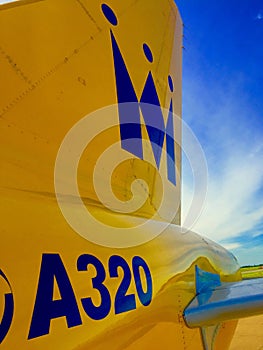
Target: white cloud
[[231, 245], [234, 148], [230, 207]]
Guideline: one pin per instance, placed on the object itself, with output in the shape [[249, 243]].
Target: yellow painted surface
[[56, 68]]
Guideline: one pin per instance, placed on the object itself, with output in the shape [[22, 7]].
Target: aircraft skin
[[64, 62]]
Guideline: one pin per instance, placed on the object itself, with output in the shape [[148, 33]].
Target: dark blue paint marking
[[126, 93], [144, 296], [52, 268], [93, 311], [109, 14], [170, 147], [170, 82], [123, 302], [125, 89], [153, 116], [46, 308], [8, 310], [148, 53], [130, 105], [7, 317]]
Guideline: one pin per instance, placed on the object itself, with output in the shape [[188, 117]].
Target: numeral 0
[[145, 297]]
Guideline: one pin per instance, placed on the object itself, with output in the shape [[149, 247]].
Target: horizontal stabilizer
[[216, 303]]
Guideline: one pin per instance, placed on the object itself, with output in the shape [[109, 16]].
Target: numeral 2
[[123, 301]]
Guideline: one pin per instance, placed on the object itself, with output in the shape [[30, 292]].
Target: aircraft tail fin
[[129, 100]]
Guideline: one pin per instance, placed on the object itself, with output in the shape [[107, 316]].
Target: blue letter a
[[45, 307]]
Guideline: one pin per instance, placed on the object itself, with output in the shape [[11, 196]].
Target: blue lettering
[[144, 296], [46, 308], [123, 301], [130, 105], [52, 269], [93, 311]]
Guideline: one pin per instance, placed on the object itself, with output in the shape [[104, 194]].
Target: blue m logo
[[130, 107]]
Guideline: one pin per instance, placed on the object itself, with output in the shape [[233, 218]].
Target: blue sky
[[223, 104]]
